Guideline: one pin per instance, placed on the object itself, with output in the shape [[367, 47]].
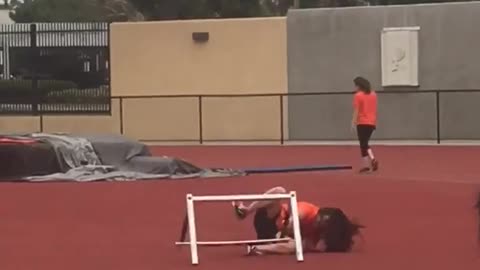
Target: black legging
[[364, 132], [265, 227]]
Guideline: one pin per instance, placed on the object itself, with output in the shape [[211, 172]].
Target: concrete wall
[[19, 124], [459, 116], [327, 48], [77, 124], [243, 118], [160, 58], [84, 124], [173, 119], [328, 117], [243, 56]]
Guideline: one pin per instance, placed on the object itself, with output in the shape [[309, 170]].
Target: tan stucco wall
[[243, 56], [19, 124], [160, 58], [152, 119], [243, 118], [85, 124]]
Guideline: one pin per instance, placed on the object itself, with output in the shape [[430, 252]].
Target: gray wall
[[459, 113], [328, 117], [327, 48]]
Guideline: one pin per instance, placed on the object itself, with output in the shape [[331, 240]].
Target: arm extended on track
[[255, 205], [289, 247]]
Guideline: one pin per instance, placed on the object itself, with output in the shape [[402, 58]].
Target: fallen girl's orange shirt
[[307, 213]]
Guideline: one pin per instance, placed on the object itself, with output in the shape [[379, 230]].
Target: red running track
[[418, 210]]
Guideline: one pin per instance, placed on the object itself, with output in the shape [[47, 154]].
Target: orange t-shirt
[[307, 213], [366, 105]]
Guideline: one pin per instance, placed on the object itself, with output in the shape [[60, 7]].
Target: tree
[[238, 9], [278, 7], [139, 10], [72, 11], [56, 11], [199, 9], [119, 10], [331, 3], [173, 9], [406, 2]]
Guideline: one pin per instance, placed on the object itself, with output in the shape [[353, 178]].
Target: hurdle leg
[[191, 229], [296, 226]]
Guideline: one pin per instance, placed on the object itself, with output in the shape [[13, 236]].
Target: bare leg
[[277, 248], [370, 154], [255, 205]]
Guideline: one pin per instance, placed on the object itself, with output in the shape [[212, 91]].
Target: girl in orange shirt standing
[[365, 120]]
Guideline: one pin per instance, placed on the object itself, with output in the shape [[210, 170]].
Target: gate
[[54, 68]]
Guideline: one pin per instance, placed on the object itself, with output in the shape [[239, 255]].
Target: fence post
[[282, 135], [41, 123], [296, 4], [120, 101], [36, 96], [200, 120], [437, 101]]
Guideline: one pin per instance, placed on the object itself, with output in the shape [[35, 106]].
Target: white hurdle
[[235, 242], [292, 196]]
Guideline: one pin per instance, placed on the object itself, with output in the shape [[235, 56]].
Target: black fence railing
[[448, 113], [435, 108], [282, 97], [441, 115], [54, 68]]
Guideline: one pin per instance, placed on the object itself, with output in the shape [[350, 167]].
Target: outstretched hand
[[239, 205], [240, 209]]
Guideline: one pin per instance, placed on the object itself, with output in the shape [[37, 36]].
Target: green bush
[[51, 91], [101, 91], [84, 96], [44, 86]]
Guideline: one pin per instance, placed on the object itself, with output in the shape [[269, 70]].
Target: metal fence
[[450, 115], [54, 68], [64, 68]]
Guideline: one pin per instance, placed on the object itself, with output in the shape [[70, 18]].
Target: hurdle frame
[[191, 199]]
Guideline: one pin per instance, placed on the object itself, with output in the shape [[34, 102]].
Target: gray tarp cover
[[111, 157]]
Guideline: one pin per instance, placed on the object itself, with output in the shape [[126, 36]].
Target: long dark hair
[[363, 84], [339, 231]]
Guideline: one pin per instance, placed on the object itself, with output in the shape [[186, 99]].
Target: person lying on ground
[[323, 229]]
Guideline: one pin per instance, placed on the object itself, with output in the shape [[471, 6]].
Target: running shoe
[[364, 170], [239, 212], [374, 165], [253, 251]]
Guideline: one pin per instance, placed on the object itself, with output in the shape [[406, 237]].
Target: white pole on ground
[[191, 229], [296, 226], [235, 242]]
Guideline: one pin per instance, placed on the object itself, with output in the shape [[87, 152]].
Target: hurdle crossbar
[[190, 199], [236, 242], [229, 198]]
